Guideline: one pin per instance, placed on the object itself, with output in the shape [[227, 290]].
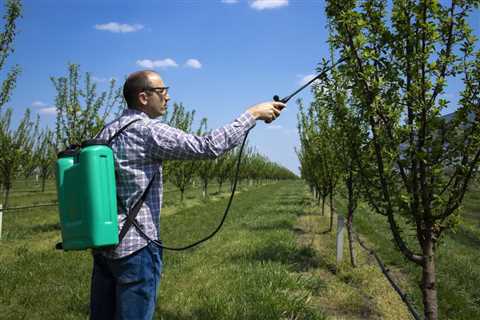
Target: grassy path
[[250, 270], [271, 261]]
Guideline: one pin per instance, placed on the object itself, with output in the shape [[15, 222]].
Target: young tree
[[206, 168], [310, 157], [181, 172], [420, 164], [318, 138], [350, 137], [45, 155], [221, 170], [18, 143], [13, 10], [81, 113]]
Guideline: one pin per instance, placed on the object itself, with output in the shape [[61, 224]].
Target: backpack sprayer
[[87, 198]]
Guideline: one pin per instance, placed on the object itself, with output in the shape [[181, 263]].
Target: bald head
[[136, 83]]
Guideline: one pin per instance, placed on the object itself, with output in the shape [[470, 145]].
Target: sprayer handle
[[276, 98]]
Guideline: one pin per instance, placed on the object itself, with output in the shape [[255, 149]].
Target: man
[[125, 278]]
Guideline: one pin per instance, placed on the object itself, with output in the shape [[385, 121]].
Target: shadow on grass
[[197, 313], [299, 259], [46, 227], [466, 237], [290, 201], [294, 200], [276, 225], [168, 315], [290, 211]]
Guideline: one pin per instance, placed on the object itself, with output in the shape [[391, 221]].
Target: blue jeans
[[126, 288]]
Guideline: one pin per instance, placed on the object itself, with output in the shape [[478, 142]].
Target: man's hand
[[267, 111]]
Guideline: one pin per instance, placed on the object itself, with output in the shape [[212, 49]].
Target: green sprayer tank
[[87, 198]]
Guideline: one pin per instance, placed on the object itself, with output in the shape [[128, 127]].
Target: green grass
[[272, 260]]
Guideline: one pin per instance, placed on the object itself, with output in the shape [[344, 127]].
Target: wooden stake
[[340, 231], [1, 217]]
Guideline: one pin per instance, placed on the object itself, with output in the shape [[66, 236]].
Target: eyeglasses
[[158, 90]]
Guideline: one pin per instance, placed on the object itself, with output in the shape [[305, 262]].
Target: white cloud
[[48, 111], [229, 1], [38, 104], [268, 4], [152, 64], [193, 63], [119, 27]]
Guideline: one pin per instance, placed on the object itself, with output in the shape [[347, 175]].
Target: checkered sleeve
[[167, 143]]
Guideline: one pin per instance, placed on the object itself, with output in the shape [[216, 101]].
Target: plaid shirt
[[139, 153]]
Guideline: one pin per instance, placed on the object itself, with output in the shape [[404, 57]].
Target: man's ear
[[142, 98]]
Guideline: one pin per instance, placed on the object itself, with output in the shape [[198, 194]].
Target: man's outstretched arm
[[169, 143]]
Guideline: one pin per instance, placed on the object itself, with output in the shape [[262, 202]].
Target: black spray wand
[[321, 74]]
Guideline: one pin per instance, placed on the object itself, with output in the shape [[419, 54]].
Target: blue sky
[[218, 57]]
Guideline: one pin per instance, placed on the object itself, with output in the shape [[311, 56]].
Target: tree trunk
[[205, 189], [181, 194], [351, 209], [332, 210], [428, 286], [5, 199], [220, 186], [323, 205], [44, 179], [350, 237]]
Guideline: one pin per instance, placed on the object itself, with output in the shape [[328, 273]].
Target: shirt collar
[[128, 112]]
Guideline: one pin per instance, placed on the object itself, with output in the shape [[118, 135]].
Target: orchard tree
[[45, 155], [318, 151], [13, 11], [81, 112], [221, 170], [205, 168], [400, 56], [326, 142], [350, 139], [309, 156], [19, 143], [231, 165], [181, 172]]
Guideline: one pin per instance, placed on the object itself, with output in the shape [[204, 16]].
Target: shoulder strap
[[121, 130], [132, 213]]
